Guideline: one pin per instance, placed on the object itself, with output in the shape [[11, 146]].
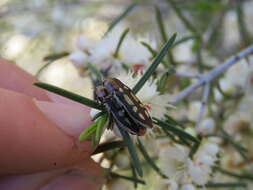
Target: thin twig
[[205, 96], [187, 75], [209, 76]]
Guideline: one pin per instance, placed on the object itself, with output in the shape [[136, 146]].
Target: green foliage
[[154, 64], [70, 95], [150, 160], [121, 17], [122, 37], [131, 149], [108, 146]]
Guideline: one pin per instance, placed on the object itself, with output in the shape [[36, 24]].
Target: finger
[[14, 78], [68, 178], [40, 140]]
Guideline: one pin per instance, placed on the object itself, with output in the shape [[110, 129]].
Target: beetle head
[[101, 93], [110, 85]]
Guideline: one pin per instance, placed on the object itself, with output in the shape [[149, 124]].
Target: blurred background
[[32, 29], [213, 31]]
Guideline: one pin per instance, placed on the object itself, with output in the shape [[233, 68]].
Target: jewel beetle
[[124, 108]]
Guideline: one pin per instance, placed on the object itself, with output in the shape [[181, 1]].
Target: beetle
[[123, 106]]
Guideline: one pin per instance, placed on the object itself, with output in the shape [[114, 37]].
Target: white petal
[[78, 58], [207, 126], [211, 148], [84, 43], [188, 187], [206, 159]]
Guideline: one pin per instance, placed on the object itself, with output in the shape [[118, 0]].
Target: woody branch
[[209, 76]]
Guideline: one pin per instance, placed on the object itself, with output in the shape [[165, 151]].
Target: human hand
[[39, 148]]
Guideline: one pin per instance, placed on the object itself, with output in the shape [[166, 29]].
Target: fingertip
[[14, 78]]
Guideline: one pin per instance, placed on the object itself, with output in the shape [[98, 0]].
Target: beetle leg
[[110, 123]]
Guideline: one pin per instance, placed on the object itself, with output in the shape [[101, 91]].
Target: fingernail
[[60, 99], [70, 118]]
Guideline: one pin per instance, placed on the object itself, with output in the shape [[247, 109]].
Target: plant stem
[[209, 76]]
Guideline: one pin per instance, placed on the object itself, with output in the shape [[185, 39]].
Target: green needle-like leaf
[[100, 128], [51, 58], [134, 174], [160, 24], [95, 71], [43, 68], [154, 64], [88, 132], [70, 95], [161, 27], [121, 39], [133, 154], [179, 132], [55, 56], [127, 178], [178, 42], [109, 146], [172, 137], [98, 115], [235, 175], [184, 39], [241, 150], [149, 48], [194, 149], [120, 17], [150, 160], [222, 185], [172, 121]]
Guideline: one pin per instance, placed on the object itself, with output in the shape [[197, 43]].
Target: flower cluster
[[104, 54], [184, 171]]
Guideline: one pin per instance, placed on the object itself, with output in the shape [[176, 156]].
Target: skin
[[38, 143]]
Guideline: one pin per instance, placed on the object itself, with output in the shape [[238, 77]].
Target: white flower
[[200, 167], [206, 126], [172, 185], [133, 52], [156, 103], [217, 95], [199, 173], [173, 161], [231, 81], [102, 52], [78, 58], [211, 148], [188, 187], [122, 160], [84, 43]]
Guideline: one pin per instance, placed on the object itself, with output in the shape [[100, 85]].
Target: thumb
[[42, 135]]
